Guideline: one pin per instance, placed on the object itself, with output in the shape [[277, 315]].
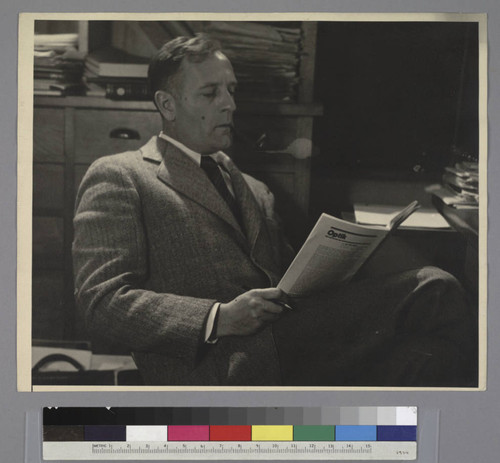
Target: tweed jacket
[[155, 246]]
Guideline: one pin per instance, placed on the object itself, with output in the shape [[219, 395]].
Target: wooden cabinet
[[48, 135], [101, 132]]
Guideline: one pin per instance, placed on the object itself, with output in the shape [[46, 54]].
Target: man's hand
[[249, 312]]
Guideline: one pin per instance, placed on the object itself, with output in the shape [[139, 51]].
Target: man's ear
[[165, 103]]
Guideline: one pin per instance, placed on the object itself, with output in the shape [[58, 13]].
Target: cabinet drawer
[[48, 187], [48, 134], [48, 237], [94, 131], [48, 307]]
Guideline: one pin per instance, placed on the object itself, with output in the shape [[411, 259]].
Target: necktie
[[213, 172]]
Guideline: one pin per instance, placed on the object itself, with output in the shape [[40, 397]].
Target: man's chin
[[225, 143]]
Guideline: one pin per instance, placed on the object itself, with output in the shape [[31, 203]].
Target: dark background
[[400, 103]]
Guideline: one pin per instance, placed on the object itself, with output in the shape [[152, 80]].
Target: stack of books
[[58, 66], [460, 185], [116, 74], [265, 58]]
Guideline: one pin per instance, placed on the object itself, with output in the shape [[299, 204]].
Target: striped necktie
[[211, 168]]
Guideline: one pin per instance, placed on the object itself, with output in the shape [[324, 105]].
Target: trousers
[[411, 329]]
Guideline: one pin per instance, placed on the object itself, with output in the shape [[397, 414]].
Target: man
[[177, 255]]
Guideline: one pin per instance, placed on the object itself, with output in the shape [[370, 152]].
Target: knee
[[437, 283], [437, 276]]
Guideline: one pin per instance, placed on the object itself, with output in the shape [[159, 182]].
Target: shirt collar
[[193, 155]]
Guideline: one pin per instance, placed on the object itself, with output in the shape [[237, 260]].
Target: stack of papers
[[58, 65], [377, 214], [453, 199], [59, 42], [265, 57]]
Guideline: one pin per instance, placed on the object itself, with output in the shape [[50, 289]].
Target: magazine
[[334, 251]]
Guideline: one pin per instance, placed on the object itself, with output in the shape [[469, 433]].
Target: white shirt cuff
[[209, 328]]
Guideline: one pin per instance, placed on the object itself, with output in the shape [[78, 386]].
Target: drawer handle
[[125, 134]]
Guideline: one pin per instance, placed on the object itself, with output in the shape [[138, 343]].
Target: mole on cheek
[[202, 118]]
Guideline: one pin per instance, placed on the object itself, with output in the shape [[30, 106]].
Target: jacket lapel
[[182, 174], [179, 172]]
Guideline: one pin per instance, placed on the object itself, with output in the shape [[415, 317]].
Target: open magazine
[[334, 251]]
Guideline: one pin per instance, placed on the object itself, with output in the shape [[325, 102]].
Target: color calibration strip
[[241, 433], [152, 434]]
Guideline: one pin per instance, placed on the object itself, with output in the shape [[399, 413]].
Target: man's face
[[204, 104]]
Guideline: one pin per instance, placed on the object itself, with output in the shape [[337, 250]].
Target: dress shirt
[[218, 156]]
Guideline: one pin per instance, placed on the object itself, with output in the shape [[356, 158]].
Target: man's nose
[[228, 103]]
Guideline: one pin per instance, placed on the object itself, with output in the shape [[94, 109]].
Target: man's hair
[[165, 64]]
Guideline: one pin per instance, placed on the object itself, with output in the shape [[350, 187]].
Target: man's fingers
[[259, 304], [269, 316], [267, 293], [272, 307]]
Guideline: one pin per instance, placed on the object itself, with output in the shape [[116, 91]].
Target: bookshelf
[[69, 133]]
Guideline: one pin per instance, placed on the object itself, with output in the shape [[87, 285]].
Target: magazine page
[[331, 254]]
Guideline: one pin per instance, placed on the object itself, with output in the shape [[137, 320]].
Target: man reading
[[177, 255]]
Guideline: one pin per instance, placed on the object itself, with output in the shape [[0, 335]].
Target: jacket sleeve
[[110, 260]]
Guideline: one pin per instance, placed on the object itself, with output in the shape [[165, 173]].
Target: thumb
[[268, 293]]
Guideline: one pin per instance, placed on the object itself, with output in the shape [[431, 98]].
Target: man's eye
[[209, 95]]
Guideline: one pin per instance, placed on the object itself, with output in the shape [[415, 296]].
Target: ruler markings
[[372, 450]]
